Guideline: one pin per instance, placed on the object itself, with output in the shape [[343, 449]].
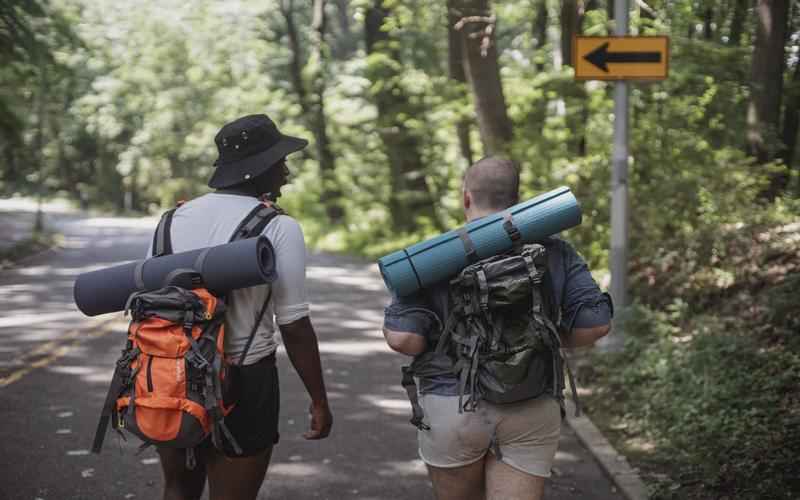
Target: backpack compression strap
[[416, 409]]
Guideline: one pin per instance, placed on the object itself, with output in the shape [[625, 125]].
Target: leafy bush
[[709, 379]]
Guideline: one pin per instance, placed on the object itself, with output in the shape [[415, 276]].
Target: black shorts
[[254, 419]]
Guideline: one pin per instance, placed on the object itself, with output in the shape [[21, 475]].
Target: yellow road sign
[[621, 57]]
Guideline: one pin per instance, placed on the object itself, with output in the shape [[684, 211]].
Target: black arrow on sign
[[600, 57]]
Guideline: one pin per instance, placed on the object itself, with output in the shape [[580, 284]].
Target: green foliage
[[709, 372], [118, 107], [710, 396]]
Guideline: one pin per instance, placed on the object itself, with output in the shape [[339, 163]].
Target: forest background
[[115, 105]]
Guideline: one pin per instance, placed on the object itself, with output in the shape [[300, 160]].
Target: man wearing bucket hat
[[250, 171], [493, 451]]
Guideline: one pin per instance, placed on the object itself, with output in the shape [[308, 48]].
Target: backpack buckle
[[196, 359], [511, 229]]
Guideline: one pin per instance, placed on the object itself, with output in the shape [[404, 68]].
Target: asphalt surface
[[55, 365]]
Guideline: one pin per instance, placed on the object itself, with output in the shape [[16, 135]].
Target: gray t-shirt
[[210, 220]]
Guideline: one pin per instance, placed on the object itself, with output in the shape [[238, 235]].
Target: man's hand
[[321, 421], [301, 346]]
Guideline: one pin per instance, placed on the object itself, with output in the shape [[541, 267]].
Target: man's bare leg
[[236, 478], [504, 482], [458, 483], [181, 483]]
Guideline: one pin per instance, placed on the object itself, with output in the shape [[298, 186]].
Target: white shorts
[[526, 433]]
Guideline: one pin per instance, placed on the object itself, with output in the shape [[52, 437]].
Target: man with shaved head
[[492, 182], [497, 451]]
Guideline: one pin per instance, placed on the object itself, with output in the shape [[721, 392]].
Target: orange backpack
[[170, 385]]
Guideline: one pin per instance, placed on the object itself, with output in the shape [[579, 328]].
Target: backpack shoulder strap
[[252, 225], [162, 239], [256, 220]]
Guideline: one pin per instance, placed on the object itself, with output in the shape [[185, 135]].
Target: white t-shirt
[[210, 220]]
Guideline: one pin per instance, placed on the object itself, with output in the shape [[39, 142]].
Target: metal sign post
[[619, 197], [620, 58]]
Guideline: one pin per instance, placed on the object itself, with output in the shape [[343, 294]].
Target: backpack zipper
[[150, 374]]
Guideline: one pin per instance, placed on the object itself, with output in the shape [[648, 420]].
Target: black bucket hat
[[248, 147]]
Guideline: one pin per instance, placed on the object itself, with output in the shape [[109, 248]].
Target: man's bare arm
[[301, 346], [407, 343], [583, 337]]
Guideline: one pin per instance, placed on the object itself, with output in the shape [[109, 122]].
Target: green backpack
[[501, 336]]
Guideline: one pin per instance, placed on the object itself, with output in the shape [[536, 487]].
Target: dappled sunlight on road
[[404, 468], [300, 470], [38, 319], [394, 406], [340, 278], [370, 408], [144, 223], [91, 374], [564, 456], [356, 348], [34, 318]]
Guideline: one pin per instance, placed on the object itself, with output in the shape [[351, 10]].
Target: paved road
[[55, 365]]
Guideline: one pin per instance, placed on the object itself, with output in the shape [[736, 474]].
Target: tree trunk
[[295, 62], [455, 67], [41, 103], [569, 28], [410, 196], [646, 12], [763, 112], [311, 97], [331, 193], [791, 122], [346, 44], [540, 33], [737, 23], [583, 7], [479, 54], [708, 20]]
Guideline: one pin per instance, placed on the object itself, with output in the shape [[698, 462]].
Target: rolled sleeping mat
[[223, 268], [444, 256]]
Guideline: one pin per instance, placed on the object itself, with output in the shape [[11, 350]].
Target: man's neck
[[236, 191], [475, 214]]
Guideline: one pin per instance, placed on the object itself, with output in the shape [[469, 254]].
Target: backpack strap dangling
[[410, 386], [114, 391], [191, 459]]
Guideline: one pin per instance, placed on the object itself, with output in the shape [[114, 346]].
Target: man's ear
[[467, 199]]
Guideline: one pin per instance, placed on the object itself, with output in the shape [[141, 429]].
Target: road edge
[[613, 463], [55, 240]]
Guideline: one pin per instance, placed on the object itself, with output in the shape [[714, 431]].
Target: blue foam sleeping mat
[[442, 257]]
